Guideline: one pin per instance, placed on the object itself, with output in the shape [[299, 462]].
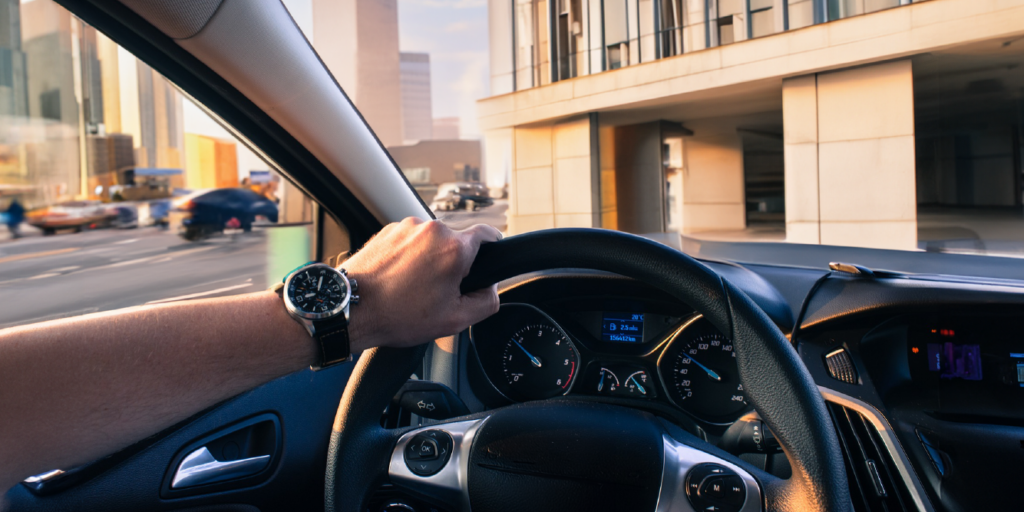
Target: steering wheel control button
[[715, 488], [428, 452]]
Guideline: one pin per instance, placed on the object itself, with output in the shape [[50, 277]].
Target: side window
[[116, 190]]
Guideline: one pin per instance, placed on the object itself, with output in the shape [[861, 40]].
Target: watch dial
[[317, 290]]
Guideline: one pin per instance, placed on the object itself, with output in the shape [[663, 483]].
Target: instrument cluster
[[681, 359]]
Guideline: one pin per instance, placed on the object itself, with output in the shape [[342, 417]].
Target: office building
[[358, 42], [843, 122], [446, 128], [417, 113], [210, 162]]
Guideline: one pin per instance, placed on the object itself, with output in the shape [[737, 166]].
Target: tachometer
[[539, 361], [699, 369]]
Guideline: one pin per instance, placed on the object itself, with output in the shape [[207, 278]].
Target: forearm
[[113, 378]]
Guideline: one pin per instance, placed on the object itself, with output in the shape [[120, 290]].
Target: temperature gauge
[[622, 381]]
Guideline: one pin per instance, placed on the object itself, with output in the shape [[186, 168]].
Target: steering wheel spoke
[[432, 462], [699, 481]]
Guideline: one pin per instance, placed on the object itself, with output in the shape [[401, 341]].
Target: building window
[[618, 55], [726, 34], [569, 38], [670, 33], [762, 19], [417, 175]]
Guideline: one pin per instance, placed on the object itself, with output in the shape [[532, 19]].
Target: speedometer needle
[[534, 360], [711, 373]]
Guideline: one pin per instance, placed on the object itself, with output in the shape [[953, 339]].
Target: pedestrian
[[15, 215]]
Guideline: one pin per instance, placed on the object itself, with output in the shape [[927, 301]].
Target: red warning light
[[949, 333], [915, 349]]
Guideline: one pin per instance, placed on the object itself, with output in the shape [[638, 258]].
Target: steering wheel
[[571, 456]]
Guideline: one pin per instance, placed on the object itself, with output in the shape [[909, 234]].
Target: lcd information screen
[[623, 327], [955, 361]]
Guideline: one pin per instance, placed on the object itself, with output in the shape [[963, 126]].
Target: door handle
[[199, 468]]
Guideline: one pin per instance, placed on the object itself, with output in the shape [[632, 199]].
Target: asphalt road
[[43, 278]]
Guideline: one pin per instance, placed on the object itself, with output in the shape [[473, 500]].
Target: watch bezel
[[297, 312]]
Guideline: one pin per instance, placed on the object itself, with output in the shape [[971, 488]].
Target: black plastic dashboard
[[932, 400]]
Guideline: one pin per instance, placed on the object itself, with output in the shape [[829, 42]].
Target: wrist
[[361, 330]]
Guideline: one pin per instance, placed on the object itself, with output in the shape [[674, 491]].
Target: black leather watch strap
[[332, 339]]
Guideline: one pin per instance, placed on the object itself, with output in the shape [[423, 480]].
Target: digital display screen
[[955, 361], [623, 327]]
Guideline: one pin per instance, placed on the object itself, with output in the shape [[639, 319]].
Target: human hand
[[409, 276]]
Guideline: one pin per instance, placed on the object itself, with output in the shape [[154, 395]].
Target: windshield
[[766, 131], [714, 126]]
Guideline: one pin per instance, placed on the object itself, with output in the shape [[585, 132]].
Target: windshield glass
[[714, 126]]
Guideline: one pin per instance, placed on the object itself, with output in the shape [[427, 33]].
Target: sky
[[453, 32]]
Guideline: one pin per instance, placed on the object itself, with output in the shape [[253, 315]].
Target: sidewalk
[[25, 230]]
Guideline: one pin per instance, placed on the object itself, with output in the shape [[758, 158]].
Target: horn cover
[[564, 456]]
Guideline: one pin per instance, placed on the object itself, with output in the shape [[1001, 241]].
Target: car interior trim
[[679, 460], [451, 484], [892, 444]]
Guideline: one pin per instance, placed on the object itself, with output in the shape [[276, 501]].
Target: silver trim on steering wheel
[[451, 484], [679, 460]]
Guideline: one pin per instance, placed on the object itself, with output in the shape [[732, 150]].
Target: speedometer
[[699, 369], [539, 361]]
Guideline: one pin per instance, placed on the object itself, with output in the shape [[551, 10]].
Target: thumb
[[478, 305]]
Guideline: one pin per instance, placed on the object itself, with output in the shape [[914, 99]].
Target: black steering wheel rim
[[776, 382]]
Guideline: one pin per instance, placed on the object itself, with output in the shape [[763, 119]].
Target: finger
[[479, 304]]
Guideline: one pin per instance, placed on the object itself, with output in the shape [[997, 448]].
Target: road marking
[[43, 276], [130, 240], [201, 294], [65, 269], [148, 258], [17, 257]]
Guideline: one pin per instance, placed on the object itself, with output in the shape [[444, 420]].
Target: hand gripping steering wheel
[[570, 456]]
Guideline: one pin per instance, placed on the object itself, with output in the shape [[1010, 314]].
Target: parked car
[[73, 215], [461, 195], [206, 212], [127, 216]]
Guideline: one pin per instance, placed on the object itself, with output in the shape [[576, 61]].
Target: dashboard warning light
[[915, 349], [946, 332]]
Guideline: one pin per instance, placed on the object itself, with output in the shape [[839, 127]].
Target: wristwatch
[[319, 296]]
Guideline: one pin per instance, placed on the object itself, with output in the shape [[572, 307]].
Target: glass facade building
[[538, 42]]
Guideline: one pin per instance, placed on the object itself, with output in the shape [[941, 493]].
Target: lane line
[[42, 254], [65, 269], [130, 240], [43, 276], [200, 294]]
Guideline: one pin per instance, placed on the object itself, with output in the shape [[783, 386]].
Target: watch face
[[317, 291]]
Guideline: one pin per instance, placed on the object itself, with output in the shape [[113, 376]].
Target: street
[[43, 278]]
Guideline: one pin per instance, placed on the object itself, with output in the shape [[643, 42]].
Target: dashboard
[[647, 352], [923, 376]]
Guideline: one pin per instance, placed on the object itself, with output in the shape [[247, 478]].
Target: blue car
[[233, 208]]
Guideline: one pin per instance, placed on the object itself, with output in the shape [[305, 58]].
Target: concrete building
[[417, 112], [447, 128], [210, 162], [817, 122], [430, 163], [358, 42]]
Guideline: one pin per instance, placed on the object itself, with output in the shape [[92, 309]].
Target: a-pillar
[[849, 152]]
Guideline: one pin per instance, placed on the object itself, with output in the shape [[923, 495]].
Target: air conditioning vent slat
[[875, 483]]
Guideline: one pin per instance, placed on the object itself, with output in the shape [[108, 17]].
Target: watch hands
[[320, 282], [711, 373], [534, 360]]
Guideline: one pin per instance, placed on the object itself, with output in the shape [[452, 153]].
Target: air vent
[[875, 483], [840, 366]]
